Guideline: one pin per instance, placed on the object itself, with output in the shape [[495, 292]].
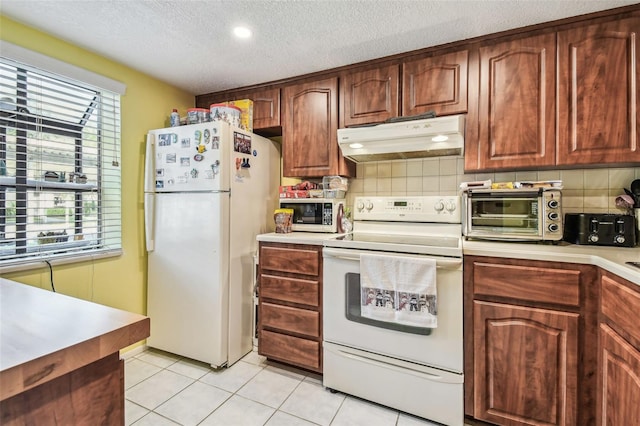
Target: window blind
[[59, 166]]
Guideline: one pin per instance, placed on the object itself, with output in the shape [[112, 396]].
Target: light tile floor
[[165, 389]]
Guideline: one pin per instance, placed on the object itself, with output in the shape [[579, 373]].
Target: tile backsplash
[[585, 190]]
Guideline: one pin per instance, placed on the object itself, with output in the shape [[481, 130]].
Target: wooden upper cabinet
[[266, 108], [437, 83], [370, 96], [266, 105], [309, 130], [598, 93], [516, 105]]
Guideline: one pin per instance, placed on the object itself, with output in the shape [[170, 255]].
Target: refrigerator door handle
[[149, 221], [149, 165]]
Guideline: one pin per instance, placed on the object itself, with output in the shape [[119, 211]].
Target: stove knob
[[369, 205], [619, 239], [593, 238], [553, 227], [360, 206], [451, 206], [439, 206]]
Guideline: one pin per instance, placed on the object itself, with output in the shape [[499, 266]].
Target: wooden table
[[59, 358]]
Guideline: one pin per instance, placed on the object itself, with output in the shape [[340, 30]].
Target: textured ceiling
[[189, 43]]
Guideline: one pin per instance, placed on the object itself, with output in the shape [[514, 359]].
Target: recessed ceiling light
[[242, 32]]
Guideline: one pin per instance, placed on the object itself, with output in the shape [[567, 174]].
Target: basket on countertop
[[335, 186]]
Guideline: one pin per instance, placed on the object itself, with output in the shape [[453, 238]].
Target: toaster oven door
[[504, 216]]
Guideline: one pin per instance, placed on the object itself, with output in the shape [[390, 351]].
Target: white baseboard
[[133, 352]]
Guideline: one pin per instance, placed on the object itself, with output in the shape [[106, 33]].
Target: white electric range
[[373, 352]]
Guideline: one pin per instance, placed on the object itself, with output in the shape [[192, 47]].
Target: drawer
[[621, 305], [289, 349], [305, 292], [292, 260], [286, 318], [531, 283]]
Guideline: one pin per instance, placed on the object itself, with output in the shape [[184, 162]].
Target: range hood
[[429, 137]]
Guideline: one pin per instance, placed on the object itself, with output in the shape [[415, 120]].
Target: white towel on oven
[[400, 289]]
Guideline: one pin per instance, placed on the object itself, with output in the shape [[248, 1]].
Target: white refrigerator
[[209, 190]]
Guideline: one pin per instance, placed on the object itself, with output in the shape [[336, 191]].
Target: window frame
[[25, 255]]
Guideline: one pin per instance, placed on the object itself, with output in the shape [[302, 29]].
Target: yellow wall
[[121, 281]]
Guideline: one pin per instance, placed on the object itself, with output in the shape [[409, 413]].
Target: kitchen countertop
[[314, 238], [44, 335], [611, 259]]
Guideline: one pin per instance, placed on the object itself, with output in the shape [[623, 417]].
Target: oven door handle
[[440, 262]]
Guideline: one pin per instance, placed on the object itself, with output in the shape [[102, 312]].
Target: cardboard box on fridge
[[246, 115]]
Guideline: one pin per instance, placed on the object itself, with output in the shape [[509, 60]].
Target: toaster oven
[[513, 214]]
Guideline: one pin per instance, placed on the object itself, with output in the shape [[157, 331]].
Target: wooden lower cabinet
[[530, 339], [290, 304], [618, 401], [91, 395], [291, 350], [619, 380], [295, 320], [527, 373]]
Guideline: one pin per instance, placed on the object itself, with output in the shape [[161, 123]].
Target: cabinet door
[[370, 96], [266, 107], [618, 381], [309, 130], [437, 83], [516, 105], [599, 90], [526, 365]]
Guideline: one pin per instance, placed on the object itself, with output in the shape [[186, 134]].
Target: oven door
[[440, 347]]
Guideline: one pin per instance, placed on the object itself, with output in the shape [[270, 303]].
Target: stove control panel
[[445, 209]]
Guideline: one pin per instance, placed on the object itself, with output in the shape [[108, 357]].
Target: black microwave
[[314, 214]]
